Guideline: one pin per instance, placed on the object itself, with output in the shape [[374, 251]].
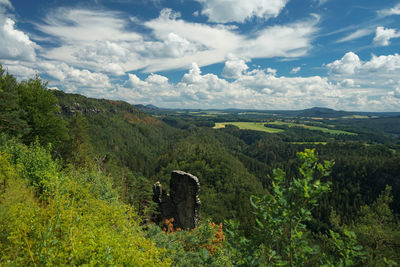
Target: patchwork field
[[255, 126], [259, 126], [329, 130]]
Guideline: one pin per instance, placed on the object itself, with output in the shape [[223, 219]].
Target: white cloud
[[396, 92], [287, 86], [346, 65], [217, 42], [152, 86], [14, 43], [6, 4], [89, 45], [271, 71], [258, 88], [293, 40], [262, 89], [390, 11], [355, 35], [20, 71], [234, 68], [81, 25], [73, 79], [295, 70], [348, 83], [134, 82], [100, 41], [172, 46], [383, 64], [384, 69], [224, 11], [383, 36], [371, 83]]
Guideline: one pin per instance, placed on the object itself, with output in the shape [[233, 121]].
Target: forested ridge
[[76, 176]]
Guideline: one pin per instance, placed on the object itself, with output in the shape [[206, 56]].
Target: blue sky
[[260, 54]]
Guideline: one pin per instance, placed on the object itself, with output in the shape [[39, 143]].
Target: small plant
[[282, 213]]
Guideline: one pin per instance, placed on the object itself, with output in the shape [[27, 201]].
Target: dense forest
[[76, 178]]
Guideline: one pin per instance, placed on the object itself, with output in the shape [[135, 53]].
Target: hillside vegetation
[[76, 176]]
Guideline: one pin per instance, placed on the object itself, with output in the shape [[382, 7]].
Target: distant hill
[[151, 106], [323, 113]]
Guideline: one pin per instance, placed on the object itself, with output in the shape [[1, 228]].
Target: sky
[[210, 54]]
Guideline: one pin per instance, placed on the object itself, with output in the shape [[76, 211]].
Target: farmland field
[[256, 126], [259, 126], [313, 128]]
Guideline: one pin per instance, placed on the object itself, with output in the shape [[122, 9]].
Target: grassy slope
[[313, 128], [259, 126], [256, 126]]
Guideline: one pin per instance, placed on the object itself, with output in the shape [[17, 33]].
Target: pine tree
[[11, 114], [81, 148], [41, 106]]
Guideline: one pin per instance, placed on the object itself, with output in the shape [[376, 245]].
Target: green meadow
[[255, 126], [313, 128], [259, 126]]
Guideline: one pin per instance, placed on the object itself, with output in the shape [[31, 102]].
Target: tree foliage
[[11, 115], [282, 214], [40, 108]]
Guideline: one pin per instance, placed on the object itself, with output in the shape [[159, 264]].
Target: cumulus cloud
[[74, 79], [383, 64], [295, 70], [371, 83], [14, 43], [383, 36], [396, 92], [238, 11], [348, 83], [258, 80], [259, 88], [234, 68], [346, 65], [173, 45], [271, 71], [20, 71], [154, 83], [384, 69], [263, 89]]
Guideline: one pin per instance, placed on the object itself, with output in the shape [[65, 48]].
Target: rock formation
[[183, 202]]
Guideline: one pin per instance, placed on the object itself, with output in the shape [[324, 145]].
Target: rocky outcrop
[[183, 202], [76, 107]]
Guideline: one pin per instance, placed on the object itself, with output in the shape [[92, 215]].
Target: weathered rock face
[[183, 203], [165, 206], [76, 107]]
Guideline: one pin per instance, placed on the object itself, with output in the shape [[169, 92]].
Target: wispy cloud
[[295, 70], [98, 39], [390, 11], [356, 35]]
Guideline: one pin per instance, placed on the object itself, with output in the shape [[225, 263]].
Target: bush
[[202, 246], [79, 223]]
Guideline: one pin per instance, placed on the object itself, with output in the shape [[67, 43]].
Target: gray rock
[[183, 203]]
